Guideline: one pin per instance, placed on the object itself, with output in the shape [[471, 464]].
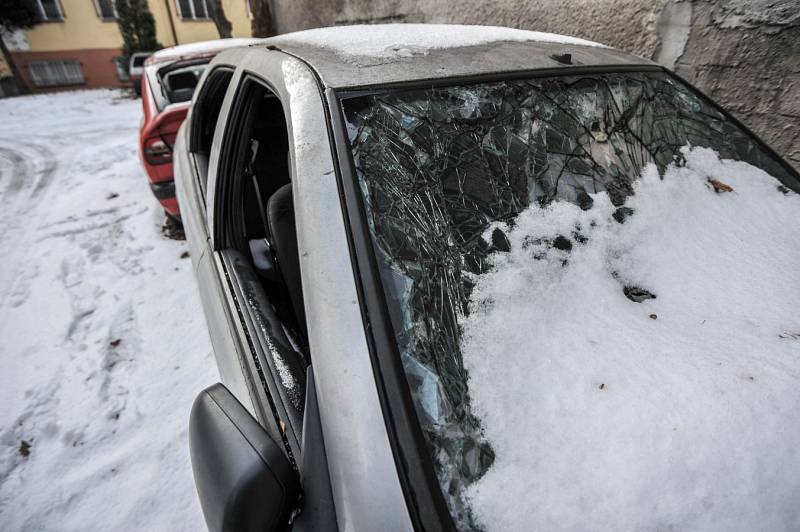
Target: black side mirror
[[243, 479]]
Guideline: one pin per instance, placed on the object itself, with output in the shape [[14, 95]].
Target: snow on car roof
[[388, 40], [198, 49], [368, 55]]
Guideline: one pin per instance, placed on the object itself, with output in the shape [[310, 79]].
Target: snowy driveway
[[102, 340]]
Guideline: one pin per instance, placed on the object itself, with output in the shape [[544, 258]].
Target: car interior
[[268, 212], [261, 241], [179, 83]]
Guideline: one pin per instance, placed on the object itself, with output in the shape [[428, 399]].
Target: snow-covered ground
[[102, 340]]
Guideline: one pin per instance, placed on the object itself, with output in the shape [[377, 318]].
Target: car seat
[[280, 218]]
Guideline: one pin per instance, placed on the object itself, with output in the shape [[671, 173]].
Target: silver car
[[334, 187]]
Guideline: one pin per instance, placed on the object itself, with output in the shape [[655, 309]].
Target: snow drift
[[676, 412]]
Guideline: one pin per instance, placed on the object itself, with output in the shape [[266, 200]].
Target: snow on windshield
[[679, 411], [521, 227]]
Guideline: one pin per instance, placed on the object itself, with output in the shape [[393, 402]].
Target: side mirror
[[243, 479]]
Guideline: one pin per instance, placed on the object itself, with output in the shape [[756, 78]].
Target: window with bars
[[59, 72], [49, 10], [106, 9], [193, 9]]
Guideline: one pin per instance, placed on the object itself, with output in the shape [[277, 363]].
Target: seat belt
[[261, 250]]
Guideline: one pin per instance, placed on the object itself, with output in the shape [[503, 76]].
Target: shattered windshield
[[446, 171]]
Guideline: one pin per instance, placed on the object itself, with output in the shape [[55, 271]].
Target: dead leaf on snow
[[115, 343], [719, 186], [24, 448]]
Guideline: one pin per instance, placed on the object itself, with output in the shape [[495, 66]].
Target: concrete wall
[[743, 53]]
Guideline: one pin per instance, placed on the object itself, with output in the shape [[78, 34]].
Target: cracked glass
[[438, 166]]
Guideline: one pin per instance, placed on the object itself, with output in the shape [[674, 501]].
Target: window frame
[[99, 11], [43, 14], [50, 63], [211, 83], [415, 468], [192, 15], [225, 227]]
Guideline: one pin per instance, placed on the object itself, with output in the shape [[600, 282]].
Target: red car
[[168, 83]]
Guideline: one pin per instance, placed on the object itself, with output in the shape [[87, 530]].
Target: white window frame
[[70, 68], [192, 15], [43, 13], [100, 11]]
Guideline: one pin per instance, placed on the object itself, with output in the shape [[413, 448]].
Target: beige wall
[[4, 70], [236, 11], [83, 29], [197, 30]]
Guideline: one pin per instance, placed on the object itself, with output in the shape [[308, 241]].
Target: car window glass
[[439, 168], [205, 116]]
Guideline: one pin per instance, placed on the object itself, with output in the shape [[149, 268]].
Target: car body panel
[[363, 475], [354, 71], [163, 119], [223, 339], [364, 471], [135, 72], [153, 122]]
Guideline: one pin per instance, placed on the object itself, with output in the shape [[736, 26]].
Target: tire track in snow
[[19, 168], [29, 159], [33, 158], [107, 331]]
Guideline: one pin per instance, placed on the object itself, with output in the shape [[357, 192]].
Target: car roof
[[197, 50], [368, 55]]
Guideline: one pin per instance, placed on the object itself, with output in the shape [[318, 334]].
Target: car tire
[[176, 221]]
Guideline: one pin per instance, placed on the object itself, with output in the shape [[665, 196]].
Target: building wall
[[5, 71], [82, 35], [98, 66], [81, 29], [743, 53], [189, 31]]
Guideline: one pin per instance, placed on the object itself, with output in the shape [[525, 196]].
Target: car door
[[339, 444], [252, 176], [260, 345], [194, 151]]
